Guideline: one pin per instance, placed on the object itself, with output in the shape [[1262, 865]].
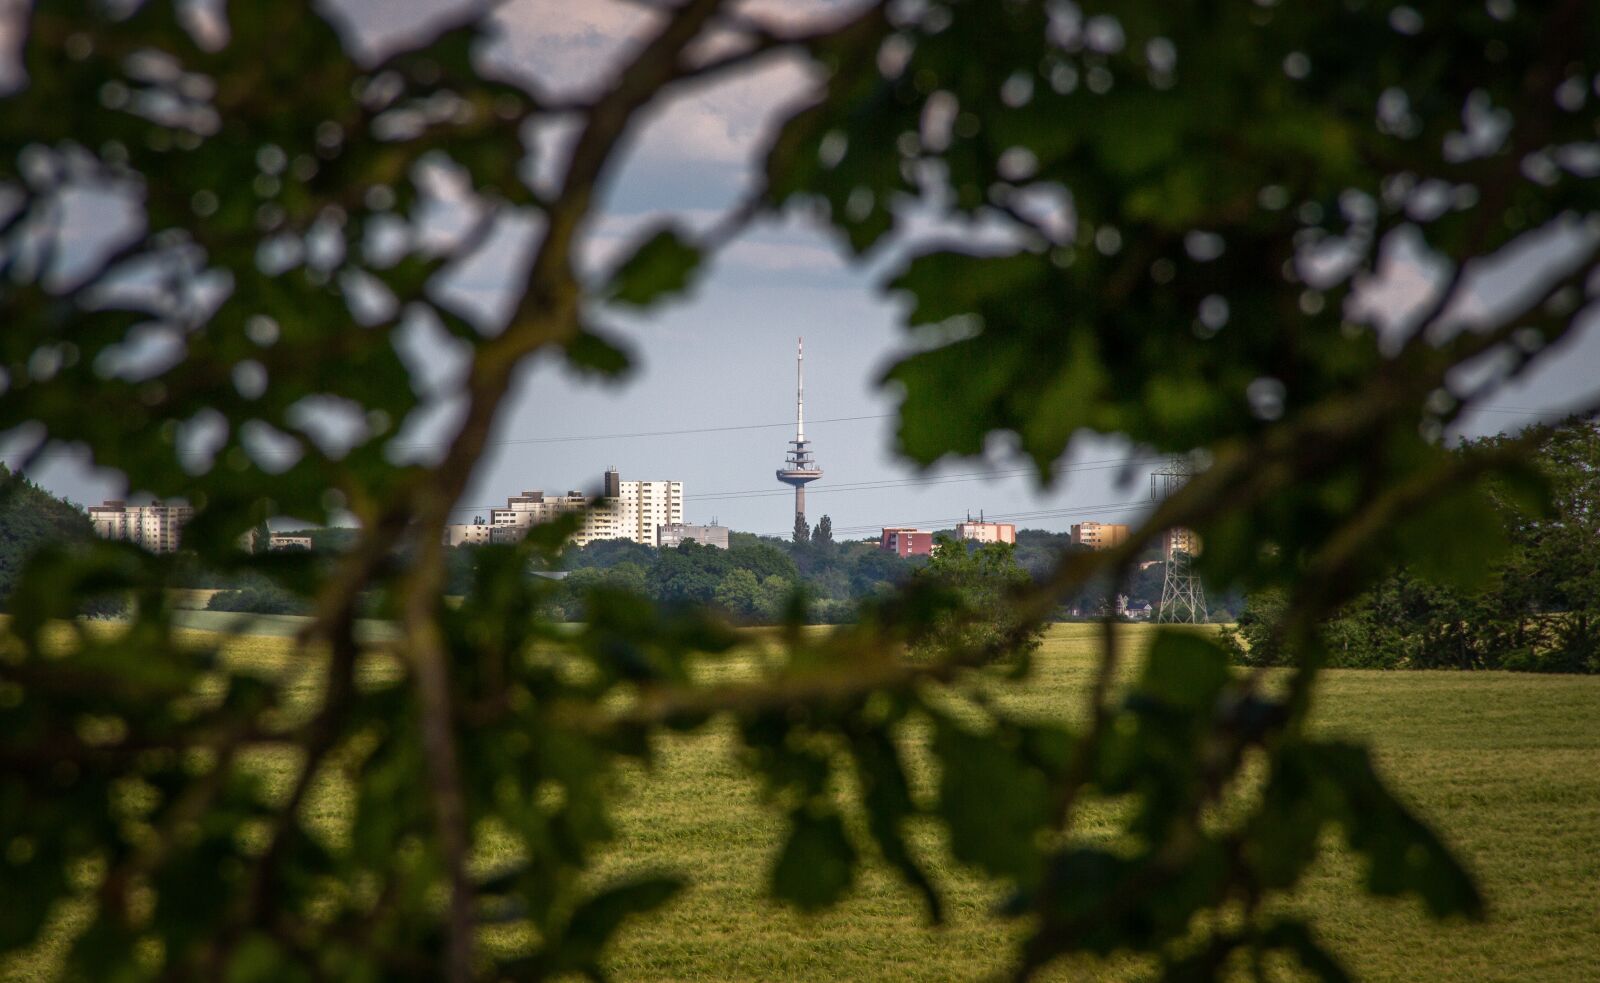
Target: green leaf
[[1433, 544], [993, 801], [1403, 855], [886, 794], [817, 863], [1184, 669], [258, 959], [596, 920], [1296, 937], [593, 352], [661, 265]]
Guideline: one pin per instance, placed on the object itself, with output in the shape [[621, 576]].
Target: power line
[[574, 438], [645, 433], [1067, 512], [1097, 465], [1101, 465]]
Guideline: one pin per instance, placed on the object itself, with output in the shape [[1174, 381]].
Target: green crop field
[[1507, 766]]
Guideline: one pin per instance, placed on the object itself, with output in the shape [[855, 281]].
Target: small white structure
[[676, 533]]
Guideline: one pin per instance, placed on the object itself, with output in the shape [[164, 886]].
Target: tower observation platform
[[800, 468]]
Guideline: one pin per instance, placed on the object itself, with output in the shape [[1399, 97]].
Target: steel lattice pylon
[[1183, 597]]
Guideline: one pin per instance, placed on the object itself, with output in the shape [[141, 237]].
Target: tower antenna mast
[[799, 466]]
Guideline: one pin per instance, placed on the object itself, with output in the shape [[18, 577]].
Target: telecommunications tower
[[1183, 597], [799, 467]]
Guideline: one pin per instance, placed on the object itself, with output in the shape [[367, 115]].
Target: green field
[[1507, 766]]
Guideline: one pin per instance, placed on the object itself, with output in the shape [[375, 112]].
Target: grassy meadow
[[1507, 766]]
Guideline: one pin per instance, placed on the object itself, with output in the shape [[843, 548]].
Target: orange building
[[1099, 535], [986, 532]]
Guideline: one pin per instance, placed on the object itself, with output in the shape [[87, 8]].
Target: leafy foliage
[[258, 600], [755, 581], [1536, 609], [32, 518], [660, 266], [981, 581], [822, 535], [1189, 198]]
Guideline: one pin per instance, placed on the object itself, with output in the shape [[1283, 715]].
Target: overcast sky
[[724, 357]]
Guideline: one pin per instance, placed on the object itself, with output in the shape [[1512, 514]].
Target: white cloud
[[729, 122], [1406, 281], [568, 48], [781, 257]]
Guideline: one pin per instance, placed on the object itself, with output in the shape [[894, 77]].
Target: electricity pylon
[[1183, 597]]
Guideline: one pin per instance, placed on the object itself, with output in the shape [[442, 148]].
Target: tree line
[[1536, 609]]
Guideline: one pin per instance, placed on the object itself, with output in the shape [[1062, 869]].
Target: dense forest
[[31, 517]]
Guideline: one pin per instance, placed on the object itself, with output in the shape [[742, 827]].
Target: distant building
[[474, 533], [155, 527], [677, 533], [986, 532], [288, 541], [906, 541], [1181, 541], [631, 510], [1099, 535], [643, 507]]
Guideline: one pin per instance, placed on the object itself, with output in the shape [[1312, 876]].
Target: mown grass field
[[1507, 766]]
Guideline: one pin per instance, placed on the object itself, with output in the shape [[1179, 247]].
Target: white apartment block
[[632, 510], [643, 507], [474, 533], [155, 527]]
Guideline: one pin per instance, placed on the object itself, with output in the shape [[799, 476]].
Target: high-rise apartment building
[[643, 507], [632, 510], [1099, 535], [156, 527]]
